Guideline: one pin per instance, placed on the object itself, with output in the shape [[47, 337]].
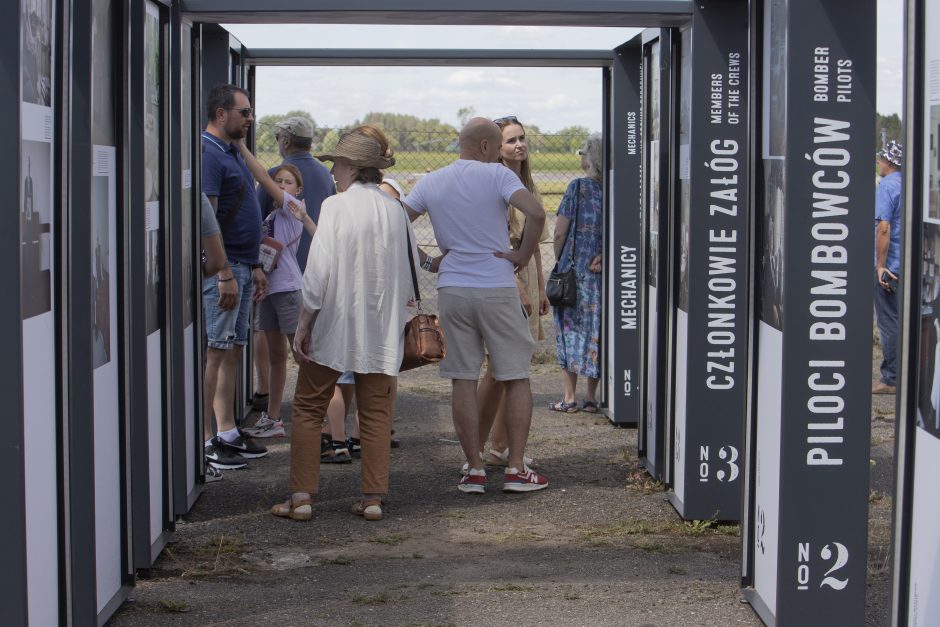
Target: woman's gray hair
[[593, 154]]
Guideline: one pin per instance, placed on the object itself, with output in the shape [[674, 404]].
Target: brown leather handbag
[[424, 337]]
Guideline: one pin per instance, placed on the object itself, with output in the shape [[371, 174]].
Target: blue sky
[[552, 98]]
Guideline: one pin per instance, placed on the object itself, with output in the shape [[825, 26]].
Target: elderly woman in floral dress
[[579, 238]]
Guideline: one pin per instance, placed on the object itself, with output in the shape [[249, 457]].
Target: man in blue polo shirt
[[228, 184], [888, 262], [294, 137]]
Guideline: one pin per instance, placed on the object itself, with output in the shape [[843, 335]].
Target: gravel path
[[600, 546]]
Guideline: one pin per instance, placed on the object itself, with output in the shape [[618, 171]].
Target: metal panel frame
[[119, 43], [13, 600], [625, 349], [910, 314], [533, 12], [135, 344], [426, 57], [819, 561], [171, 334], [183, 498], [709, 492], [660, 466], [74, 160]]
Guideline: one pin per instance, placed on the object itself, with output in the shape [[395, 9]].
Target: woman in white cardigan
[[355, 292]]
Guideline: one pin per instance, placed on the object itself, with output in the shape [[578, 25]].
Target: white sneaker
[[466, 465], [213, 474], [266, 427]]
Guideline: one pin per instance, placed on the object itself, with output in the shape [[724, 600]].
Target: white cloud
[[466, 77]]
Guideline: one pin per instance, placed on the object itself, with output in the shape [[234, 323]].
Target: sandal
[[562, 406], [590, 407], [295, 510], [370, 509], [497, 458]]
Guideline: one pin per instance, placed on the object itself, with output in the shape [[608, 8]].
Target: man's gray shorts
[[474, 318], [279, 312]]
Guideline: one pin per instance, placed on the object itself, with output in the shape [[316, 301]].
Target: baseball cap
[[297, 126]]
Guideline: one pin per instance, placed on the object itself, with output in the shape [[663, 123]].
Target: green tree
[[410, 133], [571, 138], [892, 127], [330, 140], [464, 114]]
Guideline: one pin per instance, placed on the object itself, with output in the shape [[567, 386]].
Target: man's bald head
[[480, 140]]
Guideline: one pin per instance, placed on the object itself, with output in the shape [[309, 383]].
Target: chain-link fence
[[553, 159]]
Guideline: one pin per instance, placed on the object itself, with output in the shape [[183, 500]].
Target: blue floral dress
[[578, 328]]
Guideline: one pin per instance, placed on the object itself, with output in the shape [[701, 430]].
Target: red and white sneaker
[[526, 481], [474, 482]]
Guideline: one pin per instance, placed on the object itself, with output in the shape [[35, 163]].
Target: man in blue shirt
[[229, 186], [294, 139], [888, 261]]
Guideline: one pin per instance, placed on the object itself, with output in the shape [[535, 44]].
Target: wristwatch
[[428, 260], [256, 266]]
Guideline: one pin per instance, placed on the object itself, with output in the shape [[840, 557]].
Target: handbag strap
[[577, 210], [411, 258], [272, 218]]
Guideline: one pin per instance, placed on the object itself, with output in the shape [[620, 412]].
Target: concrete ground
[[600, 546]]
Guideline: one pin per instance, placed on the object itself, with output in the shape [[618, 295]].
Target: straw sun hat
[[361, 151]]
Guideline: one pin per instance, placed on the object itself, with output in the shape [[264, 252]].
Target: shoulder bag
[[561, 288], [424, 337]]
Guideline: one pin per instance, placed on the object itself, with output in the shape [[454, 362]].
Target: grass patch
[[876, 496], [728, 530], [618, 530], [382, 598], [656, 547], [697, 528], [638, 479], [417, 556], [339, 560], [572, 596], [514, 537], [676, 570], [511, 587], [392, 539], [448, 593], [173, 607], [214, 558]]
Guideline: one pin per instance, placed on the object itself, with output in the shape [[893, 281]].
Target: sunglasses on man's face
[[246, 112], [509, 119]]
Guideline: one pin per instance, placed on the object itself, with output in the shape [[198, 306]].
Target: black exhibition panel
[[916, 506], [184, 249], [13, 551], [658, 78], [111, 570], [624, 295], [807, 514], [711, 240], [39, 79]]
